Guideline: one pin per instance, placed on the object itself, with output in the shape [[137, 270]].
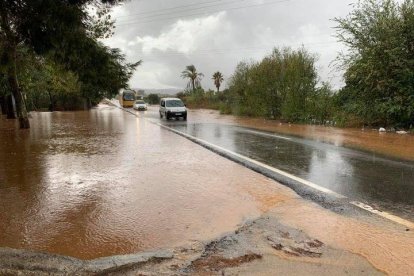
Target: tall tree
[[44, 26], [193, 76], [218, 79]]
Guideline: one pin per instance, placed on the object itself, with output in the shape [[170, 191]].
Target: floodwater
[[386, 183], [103, 182]]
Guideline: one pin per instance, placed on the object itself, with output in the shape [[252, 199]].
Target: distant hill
[[168, 91]]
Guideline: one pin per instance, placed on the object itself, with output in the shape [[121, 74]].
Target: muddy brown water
[[100, 183]]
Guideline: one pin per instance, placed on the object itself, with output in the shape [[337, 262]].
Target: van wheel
[[185, 118], [160, 115], [167, 117]]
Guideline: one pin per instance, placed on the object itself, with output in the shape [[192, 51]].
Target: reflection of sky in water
[[329, 166], [356, 174]]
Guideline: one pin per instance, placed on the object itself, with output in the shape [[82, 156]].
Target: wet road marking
[[383, 214], [360, 205], [265, 134]]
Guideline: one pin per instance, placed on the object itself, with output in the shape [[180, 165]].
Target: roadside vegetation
[[380, 62], [50, 56], [379, 76]]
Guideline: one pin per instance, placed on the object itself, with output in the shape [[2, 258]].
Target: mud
[[307, 249], [218, 263]]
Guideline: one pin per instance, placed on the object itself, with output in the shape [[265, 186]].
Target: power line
[[186, 10], [192, 9], [202, 13], [171, 8]]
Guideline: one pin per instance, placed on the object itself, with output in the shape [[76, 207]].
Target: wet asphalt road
[[384, 183]]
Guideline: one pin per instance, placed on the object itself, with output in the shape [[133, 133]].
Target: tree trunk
[[15, 89], [193, 84], [10, 47], [3, 105], [9, 107], [88, 103], [52, 104]]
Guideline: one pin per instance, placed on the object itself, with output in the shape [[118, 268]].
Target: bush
[[282, 85], [379, 65], [152, 99]]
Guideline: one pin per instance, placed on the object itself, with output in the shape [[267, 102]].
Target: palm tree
[[194, 77], [218, 79]]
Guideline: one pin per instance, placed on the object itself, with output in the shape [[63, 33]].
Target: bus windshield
[[174, 103], [129, 96]]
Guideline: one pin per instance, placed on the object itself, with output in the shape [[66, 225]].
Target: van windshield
[[140, 102], [174, 103]]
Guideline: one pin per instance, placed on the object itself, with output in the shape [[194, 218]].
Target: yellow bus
[[127, 98]]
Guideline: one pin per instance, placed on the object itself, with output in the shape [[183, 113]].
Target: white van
[[172, 108]]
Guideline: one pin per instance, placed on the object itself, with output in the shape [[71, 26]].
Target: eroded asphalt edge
[[306, 189]]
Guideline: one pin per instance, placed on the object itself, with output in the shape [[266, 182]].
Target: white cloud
[[184, 36], [152, 75]]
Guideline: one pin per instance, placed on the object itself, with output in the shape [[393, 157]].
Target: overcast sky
[[215, 35]]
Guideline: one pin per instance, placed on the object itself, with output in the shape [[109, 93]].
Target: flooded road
[[384, 183], [103, 182]]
